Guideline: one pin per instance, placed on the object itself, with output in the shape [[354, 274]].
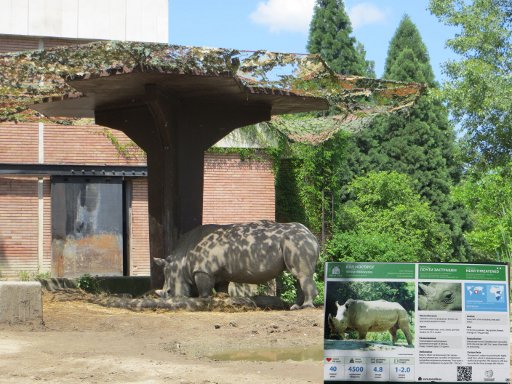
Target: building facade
[[73, 199]]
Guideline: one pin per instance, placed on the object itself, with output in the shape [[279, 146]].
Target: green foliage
[[489, 199], [24, 275], [386, 220], [287, 287], [129, 150], [88, 283], [367, 247], [330, 36], [27, 276], [479, 91], [420, 144], [308, 182], [41, 275], [407, 49]]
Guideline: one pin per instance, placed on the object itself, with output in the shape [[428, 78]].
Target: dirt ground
[[82, 342]]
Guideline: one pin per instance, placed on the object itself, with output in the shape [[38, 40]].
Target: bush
[[88, 283]]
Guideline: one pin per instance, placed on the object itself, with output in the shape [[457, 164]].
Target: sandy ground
[[82, 342]]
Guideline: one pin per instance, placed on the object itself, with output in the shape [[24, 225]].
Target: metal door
[[87, 226]]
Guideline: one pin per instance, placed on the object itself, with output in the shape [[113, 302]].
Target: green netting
[[27, 78]]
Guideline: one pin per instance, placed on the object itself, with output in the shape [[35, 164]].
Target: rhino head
[[440, 296], [339, 323], [174, 283]]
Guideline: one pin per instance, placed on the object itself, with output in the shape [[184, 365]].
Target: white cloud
[[364, 14], [284, 15]]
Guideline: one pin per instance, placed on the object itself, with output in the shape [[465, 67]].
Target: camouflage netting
[[28, 78]]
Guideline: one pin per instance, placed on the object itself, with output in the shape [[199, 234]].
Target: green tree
[[386, 220], [309, 181], [489, 199], [479, 91], [421, 143], [330, 36], [309, 190]]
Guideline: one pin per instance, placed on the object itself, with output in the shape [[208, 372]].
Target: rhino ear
[[338, 304], [160, 262]]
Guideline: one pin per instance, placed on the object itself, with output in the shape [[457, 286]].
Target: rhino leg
[[403, 323], [308, 288], [393, 331], [204, 283], [362, 334], [222, 287]]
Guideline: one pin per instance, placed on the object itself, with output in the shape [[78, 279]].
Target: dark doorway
[[87, 226]]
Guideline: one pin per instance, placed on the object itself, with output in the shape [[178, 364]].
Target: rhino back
[[250, 253], [375, 316]]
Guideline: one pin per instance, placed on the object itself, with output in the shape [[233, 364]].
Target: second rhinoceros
[[211, 256], [370, 316]]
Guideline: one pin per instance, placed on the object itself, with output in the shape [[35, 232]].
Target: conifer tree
[[421, 144], [330, 36]]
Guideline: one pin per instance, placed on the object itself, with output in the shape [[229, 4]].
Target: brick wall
[[237, 190], [139, 236], [87, 145], [18, 143], [18, 225]]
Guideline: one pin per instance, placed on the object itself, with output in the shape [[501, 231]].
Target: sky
[[283, 26]]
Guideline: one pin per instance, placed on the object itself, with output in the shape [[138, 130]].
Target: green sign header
[[371, 270], [428, 271], [463, 272]]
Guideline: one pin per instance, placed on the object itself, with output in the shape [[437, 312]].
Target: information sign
[[416, 322]]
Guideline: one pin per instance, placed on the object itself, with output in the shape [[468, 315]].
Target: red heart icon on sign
[[328, 359]]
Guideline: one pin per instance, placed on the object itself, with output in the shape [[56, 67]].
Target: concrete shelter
[[175, 102]]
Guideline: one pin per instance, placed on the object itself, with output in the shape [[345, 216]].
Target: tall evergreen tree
[[421, 144], [330, 36]]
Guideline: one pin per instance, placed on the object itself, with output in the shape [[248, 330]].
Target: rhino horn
[[427, 290]]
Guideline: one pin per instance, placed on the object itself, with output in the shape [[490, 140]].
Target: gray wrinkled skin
[[440, 297], [370, 316], [211, 256]]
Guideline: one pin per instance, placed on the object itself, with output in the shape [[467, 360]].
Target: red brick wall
[[47, 225], [18, 225], [18, 143], [237, 190], [87, 145], [139, 239]]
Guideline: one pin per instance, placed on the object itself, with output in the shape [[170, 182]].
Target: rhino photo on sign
[[211, 256], [439, 296], [359, 314]]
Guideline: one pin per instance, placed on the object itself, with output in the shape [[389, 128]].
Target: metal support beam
[[72, 170]]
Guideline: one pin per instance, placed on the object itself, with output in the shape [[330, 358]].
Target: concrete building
[[73, 199]]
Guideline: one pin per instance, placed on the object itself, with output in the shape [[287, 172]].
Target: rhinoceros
[[438, 296], [211, 256], [370, 316]]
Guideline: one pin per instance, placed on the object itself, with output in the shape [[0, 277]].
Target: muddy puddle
[[315, 353]]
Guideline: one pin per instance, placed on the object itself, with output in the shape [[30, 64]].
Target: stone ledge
[[20, 302]]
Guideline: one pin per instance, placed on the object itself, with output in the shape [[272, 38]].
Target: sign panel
[[423, 322]]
